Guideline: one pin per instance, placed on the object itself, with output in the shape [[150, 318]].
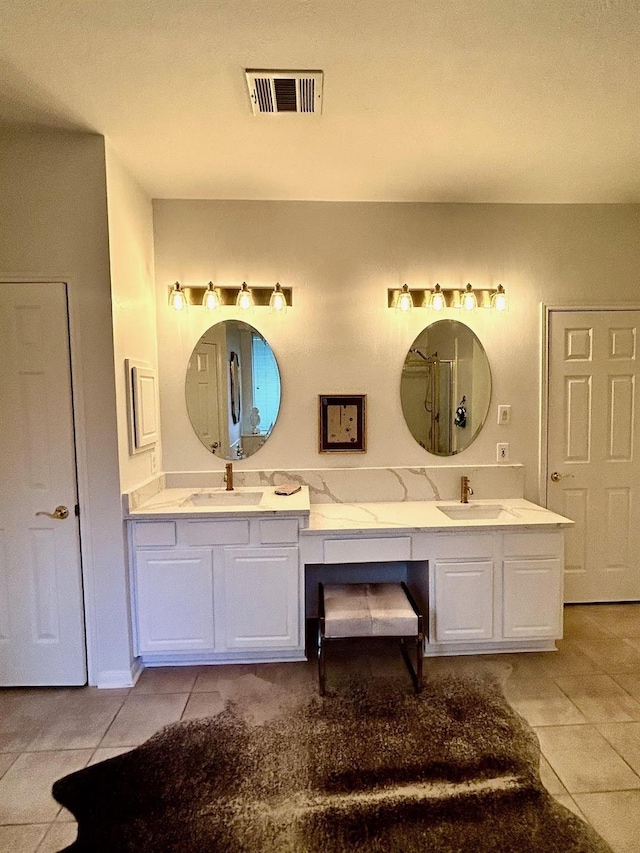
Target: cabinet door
[[463, 601], [261, 602], [532, 598], [174, 600]]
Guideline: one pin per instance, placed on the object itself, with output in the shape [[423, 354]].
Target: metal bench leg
[[321, 661], [415, 678], [321, 649]]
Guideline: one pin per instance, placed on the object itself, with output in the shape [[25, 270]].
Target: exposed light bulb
[[211, 299], [469, 301], [499, 299], [405, 301], [437, 300], [245, 299], [278, 301], [178, 298]]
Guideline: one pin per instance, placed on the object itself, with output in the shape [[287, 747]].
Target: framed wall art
[[342, 427], [142, 405]]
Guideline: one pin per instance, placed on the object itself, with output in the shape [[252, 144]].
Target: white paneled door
[[593, 466], [203, 392], [42, 639]]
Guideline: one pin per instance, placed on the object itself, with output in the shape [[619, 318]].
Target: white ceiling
[[424, 100]]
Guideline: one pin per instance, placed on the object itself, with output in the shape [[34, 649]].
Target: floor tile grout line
[[572, 702], [622, 756], [585, 677]]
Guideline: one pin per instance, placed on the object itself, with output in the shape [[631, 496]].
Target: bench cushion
[[368, 610]]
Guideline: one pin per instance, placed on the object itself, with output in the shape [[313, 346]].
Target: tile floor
[[583, 702]]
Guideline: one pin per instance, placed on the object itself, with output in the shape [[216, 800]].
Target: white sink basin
[[462, 512], [222, 497]]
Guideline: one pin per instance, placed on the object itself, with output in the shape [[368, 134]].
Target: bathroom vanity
[[221, 578]]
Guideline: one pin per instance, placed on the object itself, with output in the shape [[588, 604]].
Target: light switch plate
[[504, 415], [502, 451]]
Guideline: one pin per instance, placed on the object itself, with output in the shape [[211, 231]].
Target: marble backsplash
[[357, 485]]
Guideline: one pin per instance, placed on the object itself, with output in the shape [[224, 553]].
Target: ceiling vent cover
[[273, 92]]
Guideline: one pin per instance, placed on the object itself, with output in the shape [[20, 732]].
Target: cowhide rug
[[372, 770]]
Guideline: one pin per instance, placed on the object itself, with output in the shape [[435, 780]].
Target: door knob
[[555, 477], [60, 512]]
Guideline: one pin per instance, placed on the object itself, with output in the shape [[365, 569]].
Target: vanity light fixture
[[440, 298], [245, 299], [499, 300], [436, 299], [178, 298], [404, 302], [469, 300], [278, 301], [211, 298]]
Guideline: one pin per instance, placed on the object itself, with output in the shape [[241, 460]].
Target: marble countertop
[[320, 519], [415, 516], [176, 503]]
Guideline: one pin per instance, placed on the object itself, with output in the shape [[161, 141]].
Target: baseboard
[[209, 659], [432, 650], [112, 679]]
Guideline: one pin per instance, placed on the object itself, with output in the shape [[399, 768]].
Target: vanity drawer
[[154, 533], [367, 550], [278, 532], [228, 532], [533, 544], [463, 546]]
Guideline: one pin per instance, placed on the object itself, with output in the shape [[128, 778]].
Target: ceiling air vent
[[284, 91]]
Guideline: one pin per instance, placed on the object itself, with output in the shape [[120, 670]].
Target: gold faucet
[[228, 476], [465, 490]]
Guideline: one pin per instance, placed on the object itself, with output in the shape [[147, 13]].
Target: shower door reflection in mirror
[[232, 389], [445, 389]]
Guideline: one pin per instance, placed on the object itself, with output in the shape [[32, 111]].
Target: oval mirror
[[445, 387], [232, 389]]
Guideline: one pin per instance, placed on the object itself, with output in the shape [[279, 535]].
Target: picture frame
[[342, 423], [142, 405]]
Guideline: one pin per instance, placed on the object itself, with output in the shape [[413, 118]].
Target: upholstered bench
[[359, 610]]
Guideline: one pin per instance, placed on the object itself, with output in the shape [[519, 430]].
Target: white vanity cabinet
[[463, 580], [223, 588], [216, 590], [532, 580], [174, 595], [463, 600], [495, 591], [258, 603]]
